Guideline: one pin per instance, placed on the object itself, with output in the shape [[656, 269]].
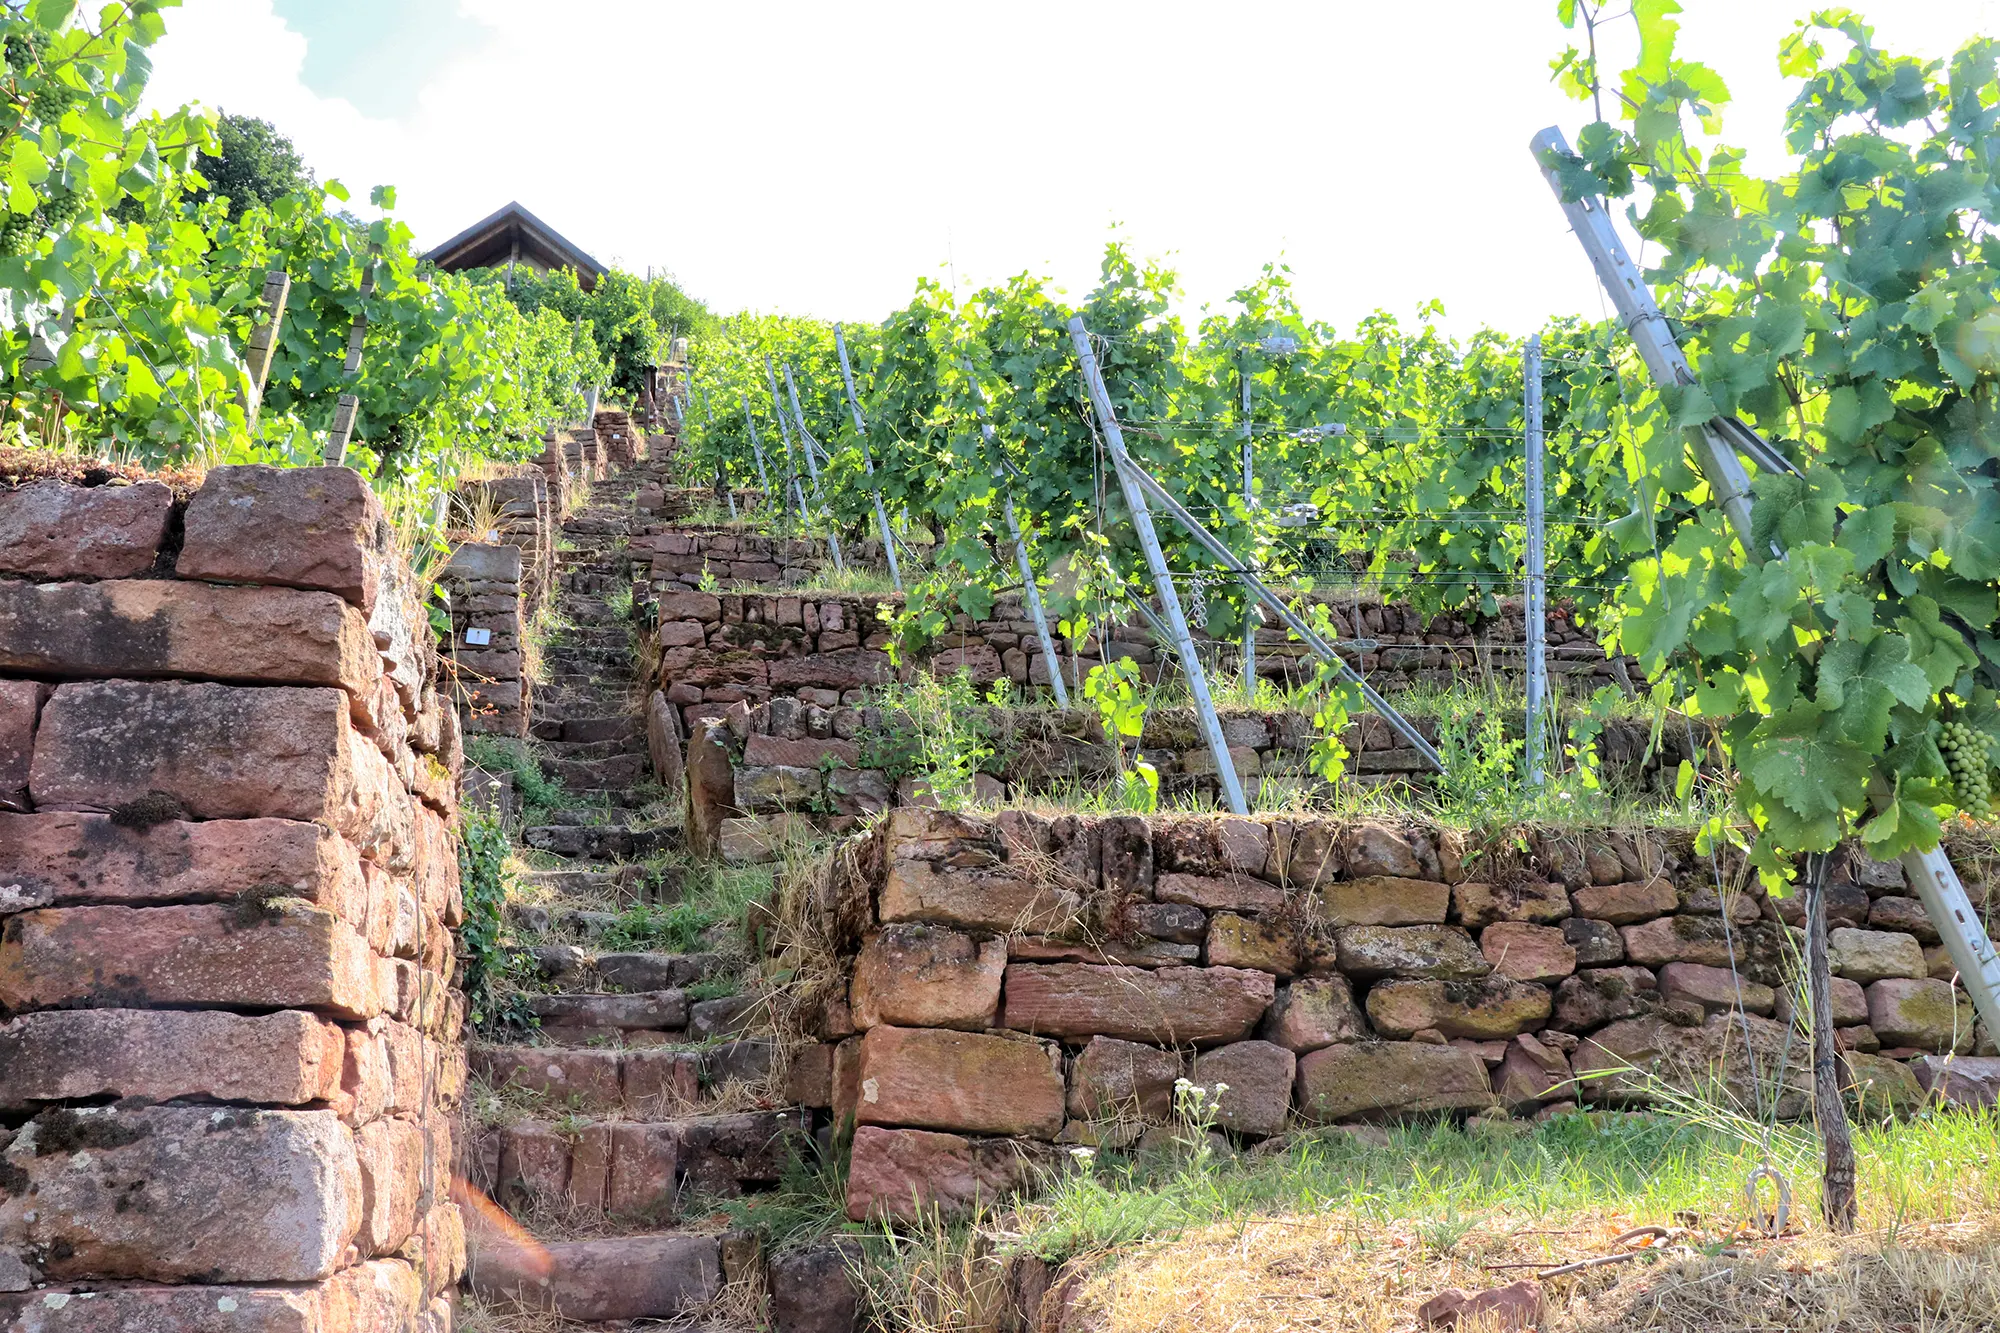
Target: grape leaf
[[1863, 682], [1796, 759]]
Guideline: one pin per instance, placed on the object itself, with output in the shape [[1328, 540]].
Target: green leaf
[[1795, 758], [1903, 825], [1868, 535], [1863, 682]]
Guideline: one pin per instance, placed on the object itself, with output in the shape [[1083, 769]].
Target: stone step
[[619, 770], [568, 965], [600, 842], [584, 883], [577, 751], [583, 728], [576, 1018], [655, 1275], [650, 1082], [630, 885]]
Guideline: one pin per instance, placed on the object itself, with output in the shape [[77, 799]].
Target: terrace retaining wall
[[1016, 985], [229, 1040], [719, 648]]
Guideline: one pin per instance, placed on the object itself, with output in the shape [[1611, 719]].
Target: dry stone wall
[[486, 654], [717, 649], [229, 1039], [1015, 985]]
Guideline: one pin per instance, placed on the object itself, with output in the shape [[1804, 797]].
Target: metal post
[[1250, 617], [819, 491], [1163, 579], [590, 406], [1930, 873], [1032, 593], [1534, 604], [867, 463], [792, 487]]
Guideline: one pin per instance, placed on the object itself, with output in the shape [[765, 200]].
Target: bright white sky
[[818, 158]]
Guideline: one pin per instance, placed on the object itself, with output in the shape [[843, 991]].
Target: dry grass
[[1333, 1272], [18, 466]]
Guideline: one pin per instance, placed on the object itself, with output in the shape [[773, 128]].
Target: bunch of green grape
[[24, 48], [62, 207], [1968, 754], [16, 230], [49, 101]]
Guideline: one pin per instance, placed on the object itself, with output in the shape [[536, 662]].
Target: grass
[[713, 896], [1344, 1231], [538, 793]]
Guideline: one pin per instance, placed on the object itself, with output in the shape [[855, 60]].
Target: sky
[[818, 159]]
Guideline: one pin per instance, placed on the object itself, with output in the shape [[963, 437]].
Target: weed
[[498, 754]]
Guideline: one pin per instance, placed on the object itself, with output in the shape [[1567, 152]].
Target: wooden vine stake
[[1830, 1074], [349, 404], [264, 341]]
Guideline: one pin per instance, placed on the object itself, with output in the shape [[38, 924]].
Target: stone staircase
[[632, 1087]]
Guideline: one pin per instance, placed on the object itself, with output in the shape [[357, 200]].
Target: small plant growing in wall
[[1114, 687]]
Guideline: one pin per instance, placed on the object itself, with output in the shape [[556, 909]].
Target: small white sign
[[478, 638]]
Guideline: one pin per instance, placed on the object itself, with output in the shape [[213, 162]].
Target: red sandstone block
[[277, 955], [911, 1173], [578, 1077], [534, 1164], [1201, 1006], [157, 627], [53, 530], [655, 1081], [390, 1154], [382, 1296], [281, 1059], [169, 1193], [309, 527], [617, 1277], [65, 858], [20, 708], [765, 751], [222, 752], [931, 1078], [590, 1167], [179, 1309], [643, 1160]]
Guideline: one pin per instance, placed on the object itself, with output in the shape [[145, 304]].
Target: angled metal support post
[[792, 487], [1717, 443], [757, 451], [861, 433], [819, 492], [1163, 578], [1029, 590], [1319, 647]]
